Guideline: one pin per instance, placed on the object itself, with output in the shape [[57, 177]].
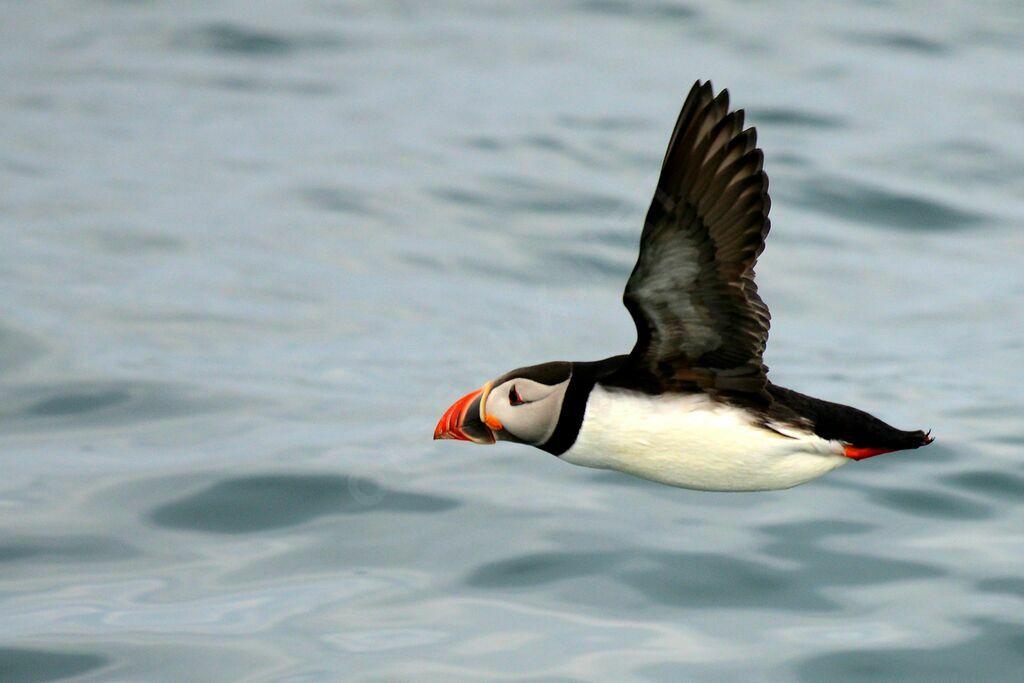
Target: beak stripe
[[450, 426], [485, 391]]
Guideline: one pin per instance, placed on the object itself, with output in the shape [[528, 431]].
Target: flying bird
[[691, 405]]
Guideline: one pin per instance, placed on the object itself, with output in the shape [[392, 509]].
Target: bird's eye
[[514, 399]]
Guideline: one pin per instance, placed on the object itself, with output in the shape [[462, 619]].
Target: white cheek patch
[[552, 410], [535, 420]]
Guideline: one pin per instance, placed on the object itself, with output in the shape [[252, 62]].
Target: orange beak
[[465, 419]]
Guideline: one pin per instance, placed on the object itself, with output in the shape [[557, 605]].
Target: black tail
[[843, 423]]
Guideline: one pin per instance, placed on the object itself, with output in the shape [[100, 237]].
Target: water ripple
[[997, 650], [263, 502], [101, 403], [990, 483], [17, 349], [537, 569], [798, 118], [335, 200], [931, 503], [519, 196], [64, 549], [645, 9], [870, 205], [236, 39], [22, 665], [1003, 585], [899, 40], [706, 580]]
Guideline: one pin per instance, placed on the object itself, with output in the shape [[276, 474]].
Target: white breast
[[695, 443]]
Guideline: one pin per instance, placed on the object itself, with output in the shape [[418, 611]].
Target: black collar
[[574, 405]]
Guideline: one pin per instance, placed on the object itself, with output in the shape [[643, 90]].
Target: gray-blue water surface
[[250, 252]]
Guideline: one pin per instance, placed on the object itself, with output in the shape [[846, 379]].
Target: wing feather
[[700, 321]]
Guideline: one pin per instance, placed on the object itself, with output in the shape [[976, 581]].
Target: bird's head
[[522, 406]]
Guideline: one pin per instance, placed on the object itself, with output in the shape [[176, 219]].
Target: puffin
[[691, 404]]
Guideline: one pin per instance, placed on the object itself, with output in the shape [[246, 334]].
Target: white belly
[[695, 443]]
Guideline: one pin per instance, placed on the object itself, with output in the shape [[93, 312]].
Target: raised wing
[[699, 319]]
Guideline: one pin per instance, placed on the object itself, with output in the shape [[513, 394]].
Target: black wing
[[700, 322]]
